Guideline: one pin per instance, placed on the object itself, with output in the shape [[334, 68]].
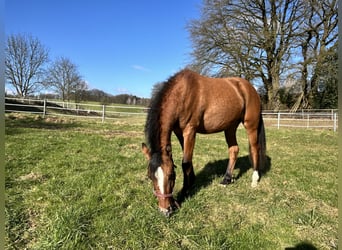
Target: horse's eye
[[172, 176]]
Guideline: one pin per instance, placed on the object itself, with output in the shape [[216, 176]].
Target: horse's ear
[[146, 151]]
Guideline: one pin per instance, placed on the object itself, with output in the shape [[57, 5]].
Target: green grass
[[73, 184]]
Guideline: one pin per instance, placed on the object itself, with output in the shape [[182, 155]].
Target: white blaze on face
[[159, 174]]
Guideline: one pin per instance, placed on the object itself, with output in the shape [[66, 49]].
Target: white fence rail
[[322, 119], [84, 110]]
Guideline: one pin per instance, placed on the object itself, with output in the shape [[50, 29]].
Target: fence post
[[44, 108], [335, 122], [278, 123], [103, 112], [308, 121]]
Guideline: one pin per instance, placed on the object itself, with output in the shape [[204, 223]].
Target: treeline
[[94, 95]]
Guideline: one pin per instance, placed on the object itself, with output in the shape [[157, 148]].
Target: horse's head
[[161, 172]]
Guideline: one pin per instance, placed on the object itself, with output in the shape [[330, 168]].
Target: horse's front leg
[[188, 169], [189, 177]]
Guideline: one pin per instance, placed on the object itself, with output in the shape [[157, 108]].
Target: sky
[[120, 47]]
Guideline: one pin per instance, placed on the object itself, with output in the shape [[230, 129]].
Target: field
[[73, 184]]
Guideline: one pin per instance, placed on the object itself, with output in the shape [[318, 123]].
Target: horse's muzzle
[[172, 208]]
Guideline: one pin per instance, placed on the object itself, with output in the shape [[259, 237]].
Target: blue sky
[[119, 46]]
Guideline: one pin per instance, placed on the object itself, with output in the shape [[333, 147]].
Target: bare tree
[[64, 78], [318, 44], [80, 90], [25, 59], [267, 41], [252, 39]]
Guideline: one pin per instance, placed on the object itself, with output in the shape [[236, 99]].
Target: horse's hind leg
[[233, 150], [254, 154]]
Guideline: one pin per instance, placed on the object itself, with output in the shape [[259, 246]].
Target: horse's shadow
[[217, 169]]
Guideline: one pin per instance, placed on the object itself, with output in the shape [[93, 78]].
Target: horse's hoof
[[255, 179], [185, 192], [254, 184], [226, 182]]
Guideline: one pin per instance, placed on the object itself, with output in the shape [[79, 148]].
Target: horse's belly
[[218, 121]]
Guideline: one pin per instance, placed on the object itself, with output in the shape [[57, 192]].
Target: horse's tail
[[261, 144]]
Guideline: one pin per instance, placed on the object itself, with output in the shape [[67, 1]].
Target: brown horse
[[189, 103]]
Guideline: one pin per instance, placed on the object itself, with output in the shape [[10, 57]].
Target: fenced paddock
[[319, 119], [82, 184]]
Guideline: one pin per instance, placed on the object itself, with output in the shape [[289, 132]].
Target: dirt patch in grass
[[31, 177]]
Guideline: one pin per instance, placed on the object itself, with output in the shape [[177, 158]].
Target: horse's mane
[[153, 126]]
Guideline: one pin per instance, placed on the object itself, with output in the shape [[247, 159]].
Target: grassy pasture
[[73, 184]]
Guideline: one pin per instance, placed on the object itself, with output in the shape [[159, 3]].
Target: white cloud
[[140, 68]]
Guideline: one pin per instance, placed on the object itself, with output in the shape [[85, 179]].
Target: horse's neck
[[165, 141], [167, 121]]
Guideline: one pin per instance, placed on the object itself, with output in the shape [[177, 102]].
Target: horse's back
[[216, 104]]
